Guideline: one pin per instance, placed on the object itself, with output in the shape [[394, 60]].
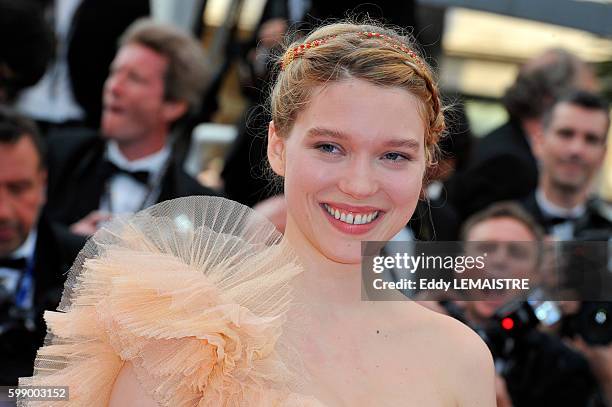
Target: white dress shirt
[[10, 278], [125, 194], [565, 230]]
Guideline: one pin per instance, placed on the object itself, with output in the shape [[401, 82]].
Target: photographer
[[536, 368], [587, 327], [33, 253]]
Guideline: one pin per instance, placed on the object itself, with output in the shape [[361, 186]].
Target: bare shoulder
[[464, 359]]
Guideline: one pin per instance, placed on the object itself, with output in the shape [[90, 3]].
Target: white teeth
[[350, 218]]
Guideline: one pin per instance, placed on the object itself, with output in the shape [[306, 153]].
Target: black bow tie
[[15, 264], [111, 169], [557, 220]]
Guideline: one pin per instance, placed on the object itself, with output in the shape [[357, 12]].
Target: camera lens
[[596, 323]]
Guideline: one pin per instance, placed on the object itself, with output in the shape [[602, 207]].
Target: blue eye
[[328, 148], [394, 156]]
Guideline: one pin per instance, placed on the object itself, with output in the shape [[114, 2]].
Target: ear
[[276, 150], [537, 140], [174, 110]]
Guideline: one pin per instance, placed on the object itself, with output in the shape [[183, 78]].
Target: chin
[[108, 131], [344, 259], [114, 135], [571, 186], [113, 129], [343, 253], [485, 311]]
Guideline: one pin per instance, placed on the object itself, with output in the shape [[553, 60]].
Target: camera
[[592, 322], [539, 369], [514, 321]]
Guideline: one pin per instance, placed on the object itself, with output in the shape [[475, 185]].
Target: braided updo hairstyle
[[368, 52]]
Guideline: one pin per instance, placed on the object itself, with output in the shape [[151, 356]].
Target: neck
[[323, 279], [567, 199], [143, 147]]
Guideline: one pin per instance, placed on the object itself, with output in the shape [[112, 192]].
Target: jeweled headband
[[296, 52]]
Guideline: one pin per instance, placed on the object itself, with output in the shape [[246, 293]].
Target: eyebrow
[[408, 143]]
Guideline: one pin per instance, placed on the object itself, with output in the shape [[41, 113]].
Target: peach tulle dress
[[194, 293]]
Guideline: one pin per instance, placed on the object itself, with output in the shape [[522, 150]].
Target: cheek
[[141, 101], [403, 189], [596, 156], [555, 151], [154, 98], [305, 175], [27, 211], [33, 201]]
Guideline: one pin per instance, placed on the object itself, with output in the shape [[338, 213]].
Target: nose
[[497, 260], [576, 147], [114, 83], [359, 179]]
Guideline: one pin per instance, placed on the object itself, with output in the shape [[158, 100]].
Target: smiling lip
[[352, 229]]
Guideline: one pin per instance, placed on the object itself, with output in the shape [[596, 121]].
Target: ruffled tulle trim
[[193, 293]]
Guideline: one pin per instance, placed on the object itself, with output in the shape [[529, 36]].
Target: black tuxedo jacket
[[531, 206], [502, 168], [593, 225], [55, 251], [76, 180]]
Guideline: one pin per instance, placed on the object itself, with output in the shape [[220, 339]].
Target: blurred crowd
[[98, 103]]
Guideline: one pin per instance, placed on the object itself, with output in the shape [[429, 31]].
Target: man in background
[[34, 254], [503, 166], [571, 149], [86, 33], [536, 368], [156, 79]]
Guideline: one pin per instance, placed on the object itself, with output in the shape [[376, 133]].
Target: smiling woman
[[196, 302], [350, 151], [356, 118]]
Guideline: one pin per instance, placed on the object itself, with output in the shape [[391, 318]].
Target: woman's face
[[353, 165]]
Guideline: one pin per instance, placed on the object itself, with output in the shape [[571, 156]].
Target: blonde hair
[[188, 74], [368, 52]]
